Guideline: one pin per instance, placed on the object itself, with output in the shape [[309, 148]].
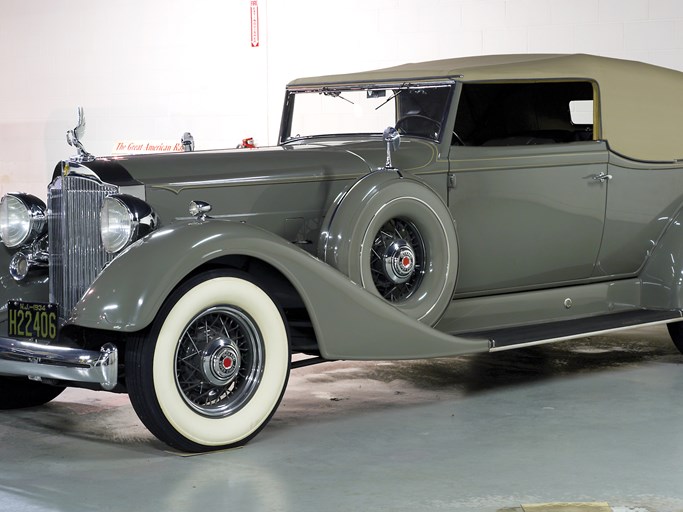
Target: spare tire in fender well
[[393, 235]]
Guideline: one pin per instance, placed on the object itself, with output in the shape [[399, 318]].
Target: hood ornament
[[73, 138]]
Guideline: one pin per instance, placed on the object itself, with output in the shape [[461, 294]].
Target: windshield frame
[[393, 89]]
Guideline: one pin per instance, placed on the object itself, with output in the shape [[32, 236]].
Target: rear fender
[[349, 322], [662, 276]]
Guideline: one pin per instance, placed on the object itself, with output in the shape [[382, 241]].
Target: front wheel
[[20, 392], [214, 366]]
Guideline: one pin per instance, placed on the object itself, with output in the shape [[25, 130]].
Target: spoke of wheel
[[234, 332], [390, 292], [224, 328], [385, 234], [190, 385], [187, 362], [190, 364], [397, 231], [192, 342], [206, 393]]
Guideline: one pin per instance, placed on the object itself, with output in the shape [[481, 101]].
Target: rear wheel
[[214, 366], [19, 392], [676, 333]]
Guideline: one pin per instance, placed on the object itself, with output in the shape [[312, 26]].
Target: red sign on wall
[[254, 24]]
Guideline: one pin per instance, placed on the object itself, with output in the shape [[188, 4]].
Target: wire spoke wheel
[[219, 361], [397, 260], [212, 368]]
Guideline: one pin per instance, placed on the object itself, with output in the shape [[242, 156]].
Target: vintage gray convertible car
[[534, 198]]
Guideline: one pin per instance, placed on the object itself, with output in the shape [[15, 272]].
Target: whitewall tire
[[214, 366]]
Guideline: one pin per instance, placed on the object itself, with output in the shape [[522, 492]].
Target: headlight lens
[[22, 219], [116, 223], [124, 219]]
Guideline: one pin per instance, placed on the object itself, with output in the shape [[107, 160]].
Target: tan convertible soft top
[[641, 105]]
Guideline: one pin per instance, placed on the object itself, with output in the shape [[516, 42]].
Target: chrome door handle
[[602, 177]]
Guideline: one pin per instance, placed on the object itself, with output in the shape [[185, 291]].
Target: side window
[[520, 113], [421, 111]]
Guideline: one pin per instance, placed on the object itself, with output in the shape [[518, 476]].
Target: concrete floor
[[593, 420]]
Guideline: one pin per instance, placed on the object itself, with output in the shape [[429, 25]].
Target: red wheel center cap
[[227, 363], [406, 261]]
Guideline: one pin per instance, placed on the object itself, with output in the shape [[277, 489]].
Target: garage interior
[[590, 424]]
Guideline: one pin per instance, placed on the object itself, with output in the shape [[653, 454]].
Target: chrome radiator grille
[[76, 252]]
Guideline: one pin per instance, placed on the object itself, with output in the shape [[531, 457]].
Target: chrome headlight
[[22, 219], [123, 220]]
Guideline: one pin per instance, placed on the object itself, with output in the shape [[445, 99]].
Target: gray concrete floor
[[597, 419]]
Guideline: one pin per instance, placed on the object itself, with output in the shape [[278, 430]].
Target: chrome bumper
[[37, 361]]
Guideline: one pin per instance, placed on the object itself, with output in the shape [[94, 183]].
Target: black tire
[[676, 333], [213, 368], [19, 392]]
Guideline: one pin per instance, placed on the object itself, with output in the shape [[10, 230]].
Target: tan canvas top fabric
[[641, 105]]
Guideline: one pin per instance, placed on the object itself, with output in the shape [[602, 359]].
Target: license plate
[[35, 320]]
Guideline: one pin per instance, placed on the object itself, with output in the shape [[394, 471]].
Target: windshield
[[414, 109]]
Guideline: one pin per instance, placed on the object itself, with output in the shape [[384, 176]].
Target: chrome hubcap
[[221, 361], [399, 261]]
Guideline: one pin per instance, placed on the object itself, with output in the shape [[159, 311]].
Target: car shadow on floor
[[338, 389]]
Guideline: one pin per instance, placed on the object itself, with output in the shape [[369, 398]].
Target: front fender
[[350, 323]]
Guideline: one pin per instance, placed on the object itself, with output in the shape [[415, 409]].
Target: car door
[[528, 199], [527, 216]]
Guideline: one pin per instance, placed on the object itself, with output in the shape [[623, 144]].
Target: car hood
[[326, 159]]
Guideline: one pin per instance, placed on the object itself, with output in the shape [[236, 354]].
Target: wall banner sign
[[254, 24], [132, 147]]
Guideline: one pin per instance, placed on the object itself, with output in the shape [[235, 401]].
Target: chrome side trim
[[38, 361]]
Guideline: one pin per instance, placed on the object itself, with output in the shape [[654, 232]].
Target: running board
[[516, 337]]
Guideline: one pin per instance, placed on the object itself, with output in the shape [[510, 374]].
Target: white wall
[[152, 70]]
